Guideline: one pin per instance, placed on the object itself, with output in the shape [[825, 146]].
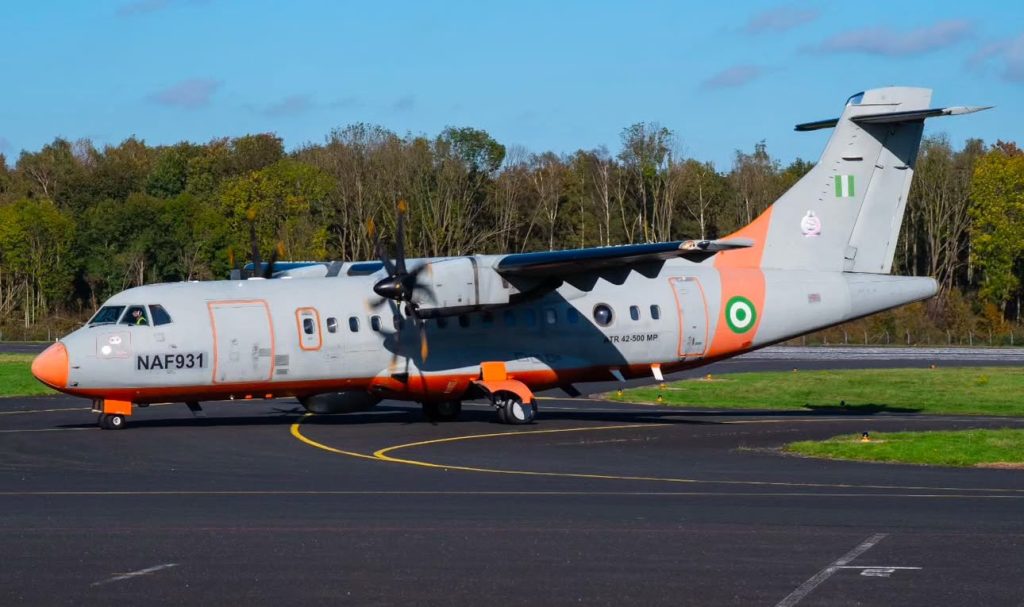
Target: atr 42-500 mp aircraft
[[340, 337]]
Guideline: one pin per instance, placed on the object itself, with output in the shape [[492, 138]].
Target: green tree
[[997, 213]]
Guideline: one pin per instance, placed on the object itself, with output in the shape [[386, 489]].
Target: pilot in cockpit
[[138, 318]]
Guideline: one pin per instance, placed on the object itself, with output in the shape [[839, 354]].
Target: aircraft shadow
[[412, 415]]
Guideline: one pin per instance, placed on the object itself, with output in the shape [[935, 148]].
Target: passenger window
[[307, 326], [656, 312], [572, 316], [159, 314], [353, 324], [603, 315], [463, 321], [509, 317], [332, 324], [375, 323], [442, 322], [136, 315], [550, 316], [530, 317], [107, 315], [634, 312]]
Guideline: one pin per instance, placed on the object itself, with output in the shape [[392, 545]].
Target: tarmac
[[597, 503]]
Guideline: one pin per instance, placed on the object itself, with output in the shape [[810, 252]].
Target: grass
[[996, 448], [959, 391], [16, 377]]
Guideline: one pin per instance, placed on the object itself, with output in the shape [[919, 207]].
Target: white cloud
[[737, 75], [882, 40], [190, 94], [1010, 53], [780, 19]]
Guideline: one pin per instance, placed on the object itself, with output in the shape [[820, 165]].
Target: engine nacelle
[[340, 402], [461, 284]]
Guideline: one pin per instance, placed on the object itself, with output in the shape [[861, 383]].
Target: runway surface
[[598, 503]]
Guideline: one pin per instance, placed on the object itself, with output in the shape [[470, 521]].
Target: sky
[[544, 75]]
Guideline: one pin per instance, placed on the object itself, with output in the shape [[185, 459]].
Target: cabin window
[[656, 312], [307, 326], [572, 316], [159, 314], [353, 324], [463, 321], [332, 324], [375, 323], [442, 322], [603, 315], [634, 312], [136, 315], [550, 316], [107, 315], [509, 317]]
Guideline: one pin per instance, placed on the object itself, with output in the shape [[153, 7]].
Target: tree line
[[79, 223]]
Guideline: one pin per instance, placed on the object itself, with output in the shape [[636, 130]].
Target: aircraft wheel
[[512, 410], [448, 410], [112, 421]]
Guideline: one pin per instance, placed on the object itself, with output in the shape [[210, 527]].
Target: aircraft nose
[[51, 366]]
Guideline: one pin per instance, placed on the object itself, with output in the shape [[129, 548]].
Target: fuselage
[[298, 337]]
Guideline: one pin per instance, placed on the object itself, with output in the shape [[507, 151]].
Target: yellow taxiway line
[[384, 455]]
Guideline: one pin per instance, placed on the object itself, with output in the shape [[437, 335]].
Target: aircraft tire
[[448, 410], [112, 421], [512, 410]]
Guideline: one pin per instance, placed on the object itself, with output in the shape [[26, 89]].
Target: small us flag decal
[[844, 186]]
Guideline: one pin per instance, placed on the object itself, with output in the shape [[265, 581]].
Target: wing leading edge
[[574, 261]]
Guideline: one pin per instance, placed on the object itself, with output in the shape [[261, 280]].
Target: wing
[[561, 263]]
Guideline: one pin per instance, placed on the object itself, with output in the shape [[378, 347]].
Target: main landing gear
[[512, 410], [443, 411]]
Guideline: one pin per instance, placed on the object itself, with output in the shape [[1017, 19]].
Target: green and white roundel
[[740, 314]]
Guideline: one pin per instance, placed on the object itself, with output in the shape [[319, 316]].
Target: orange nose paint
[[51, 367]]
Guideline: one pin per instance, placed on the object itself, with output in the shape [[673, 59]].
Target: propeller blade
[[256, 261], [424, 347], [268, 272], [403, 208]]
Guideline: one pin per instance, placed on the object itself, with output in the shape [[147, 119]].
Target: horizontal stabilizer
[[563, 263], [893, 117]]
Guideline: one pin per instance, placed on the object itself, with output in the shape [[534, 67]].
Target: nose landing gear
[[109, 421], [113, 413]]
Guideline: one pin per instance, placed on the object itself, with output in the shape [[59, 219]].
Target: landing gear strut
[[512, 410], [444, 411]]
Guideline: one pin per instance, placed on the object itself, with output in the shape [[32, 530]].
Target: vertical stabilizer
[[845, 214]]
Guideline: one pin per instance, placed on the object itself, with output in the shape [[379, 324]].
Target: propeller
[[400, 284], [257, 262]]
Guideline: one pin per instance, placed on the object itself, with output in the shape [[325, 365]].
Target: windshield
[[107, 315]]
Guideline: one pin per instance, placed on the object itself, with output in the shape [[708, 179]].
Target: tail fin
[[845, 214]]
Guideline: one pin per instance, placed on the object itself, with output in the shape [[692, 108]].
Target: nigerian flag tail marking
[[844, 186]]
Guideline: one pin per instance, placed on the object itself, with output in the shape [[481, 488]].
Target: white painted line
[[874, 567], [807, 587], [132, 574]]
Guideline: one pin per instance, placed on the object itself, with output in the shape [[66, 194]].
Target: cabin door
[[693, 316], [243, 341]]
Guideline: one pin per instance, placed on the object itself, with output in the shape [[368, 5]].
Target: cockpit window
[[160, 315], [107, 315], [856, 99], [136, 315]]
